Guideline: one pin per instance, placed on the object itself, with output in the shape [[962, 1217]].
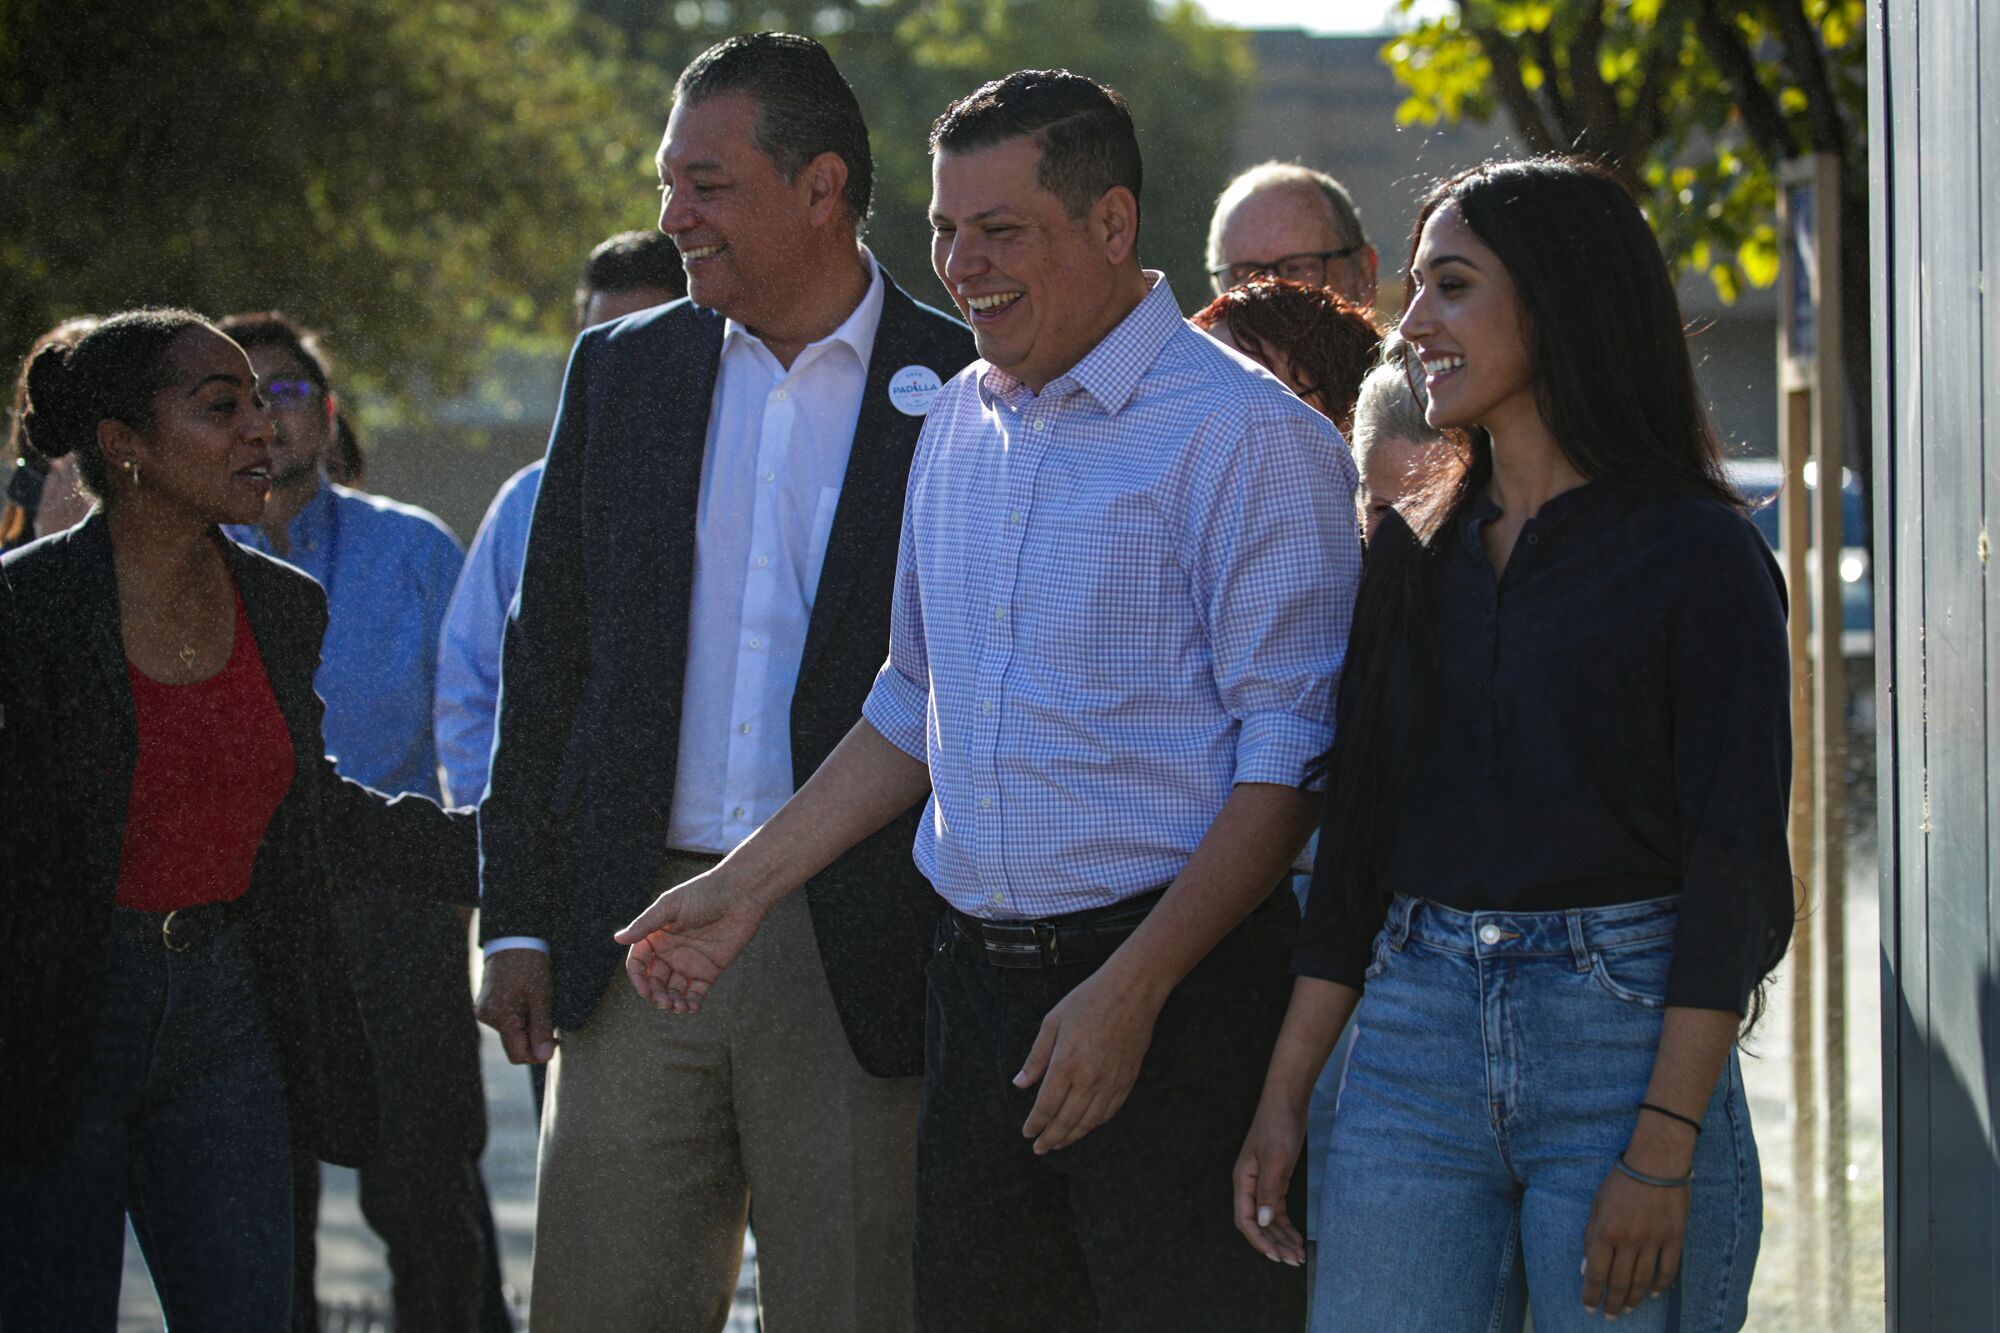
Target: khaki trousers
[[662, 1132]]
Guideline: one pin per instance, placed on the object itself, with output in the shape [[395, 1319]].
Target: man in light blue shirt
[[626, 273], [388, 570], [1127, 566]]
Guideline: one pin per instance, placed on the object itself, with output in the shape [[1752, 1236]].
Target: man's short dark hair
[[805, 107], [1083, 128], [628, 261], [274, 328]]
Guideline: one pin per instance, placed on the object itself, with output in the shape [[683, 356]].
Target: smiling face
[[1039, 287], [740, 226], [207, 448], [1466, 324]]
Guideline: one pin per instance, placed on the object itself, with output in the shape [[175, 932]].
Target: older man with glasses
[[1280, 219]]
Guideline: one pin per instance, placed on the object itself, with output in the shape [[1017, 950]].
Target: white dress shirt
[[777, 449]]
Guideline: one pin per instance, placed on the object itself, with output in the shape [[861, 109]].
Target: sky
[[1314, 15]]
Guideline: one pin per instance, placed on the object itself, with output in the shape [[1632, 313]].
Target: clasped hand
[[684, 941]]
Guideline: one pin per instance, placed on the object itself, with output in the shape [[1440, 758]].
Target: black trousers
[[1132, 1227], [421, 1191]]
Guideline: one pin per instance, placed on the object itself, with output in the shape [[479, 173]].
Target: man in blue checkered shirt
[[1127, 567]]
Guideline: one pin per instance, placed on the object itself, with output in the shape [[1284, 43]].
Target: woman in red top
[[173, 1007]]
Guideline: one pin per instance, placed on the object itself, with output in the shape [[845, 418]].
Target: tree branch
[[1648, 119], [1600, 133], [1725, 46], [1568, 128], [1807, 63], [1522, 107]]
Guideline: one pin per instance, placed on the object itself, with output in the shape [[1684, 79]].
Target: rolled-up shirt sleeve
[[1274, 555], [1730, 674], [898, 704]]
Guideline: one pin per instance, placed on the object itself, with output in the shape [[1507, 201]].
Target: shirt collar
[[857, 331], [1109, 372]]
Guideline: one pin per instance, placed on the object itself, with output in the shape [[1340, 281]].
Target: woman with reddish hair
[[1321, 345]]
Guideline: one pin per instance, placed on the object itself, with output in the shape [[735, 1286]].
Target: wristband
[[1661, 1182], [1694, 1125]]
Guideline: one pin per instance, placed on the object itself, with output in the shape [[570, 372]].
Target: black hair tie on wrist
[[1662, 1182], [1694, 1125]]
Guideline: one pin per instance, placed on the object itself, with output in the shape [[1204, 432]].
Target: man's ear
[[1115, 221], [826, 186], [332, 411]]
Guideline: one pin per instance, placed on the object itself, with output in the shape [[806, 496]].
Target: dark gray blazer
[[68, 744], [573, 827]]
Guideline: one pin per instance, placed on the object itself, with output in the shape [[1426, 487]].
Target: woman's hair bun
[[51, 417]]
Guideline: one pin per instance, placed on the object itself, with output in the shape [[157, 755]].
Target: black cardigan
[[68, 745]]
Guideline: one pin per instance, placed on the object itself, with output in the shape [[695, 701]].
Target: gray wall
[[1934, 127]]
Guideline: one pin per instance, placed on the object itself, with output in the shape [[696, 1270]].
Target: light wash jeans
[[1500, 1060]]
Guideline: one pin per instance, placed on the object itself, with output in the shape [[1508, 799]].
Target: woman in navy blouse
[[1554, 850]]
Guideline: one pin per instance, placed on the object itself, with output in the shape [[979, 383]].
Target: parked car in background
[[1757, 480]]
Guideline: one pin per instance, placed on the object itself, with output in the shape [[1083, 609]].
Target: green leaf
[[1758, 256]]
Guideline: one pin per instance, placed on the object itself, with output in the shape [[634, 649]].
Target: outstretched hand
[[681, 944]]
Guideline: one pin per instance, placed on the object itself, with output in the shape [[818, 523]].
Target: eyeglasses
[[289, 393], [1308, 267]]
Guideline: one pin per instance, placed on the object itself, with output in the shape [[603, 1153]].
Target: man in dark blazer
[[703, 608]]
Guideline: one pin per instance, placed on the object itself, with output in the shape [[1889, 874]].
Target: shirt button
[[1534, 539], [1040, 425], [763, 560], [996, 898], [745, 728], [770, 477], [999, 613], [1014, 517], [756, 643], [781, 395], [738, 812], [986, 803], [1489, 934], [985, 705]]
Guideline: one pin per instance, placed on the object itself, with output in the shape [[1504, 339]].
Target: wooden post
[[1812, 530], [1795, 414], [1830, 712]]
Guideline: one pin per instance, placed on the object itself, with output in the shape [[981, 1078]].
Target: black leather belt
[[1081, 937], [183, 928]]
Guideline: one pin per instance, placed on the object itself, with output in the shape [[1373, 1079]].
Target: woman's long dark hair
[[1616, 387]]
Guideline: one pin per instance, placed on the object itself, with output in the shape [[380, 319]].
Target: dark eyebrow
[[206, 380], [1454, 259], [976, 218]]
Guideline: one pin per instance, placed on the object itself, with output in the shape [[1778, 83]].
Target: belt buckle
[[1045, 951], [167, 934]]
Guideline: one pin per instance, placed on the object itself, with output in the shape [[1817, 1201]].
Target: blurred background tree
[[1695, 104], [422, 180]]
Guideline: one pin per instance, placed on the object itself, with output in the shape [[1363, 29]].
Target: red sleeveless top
[[215, 761]]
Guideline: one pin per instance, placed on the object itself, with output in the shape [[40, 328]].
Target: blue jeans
[[1494, 1080], [182, 1126]]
